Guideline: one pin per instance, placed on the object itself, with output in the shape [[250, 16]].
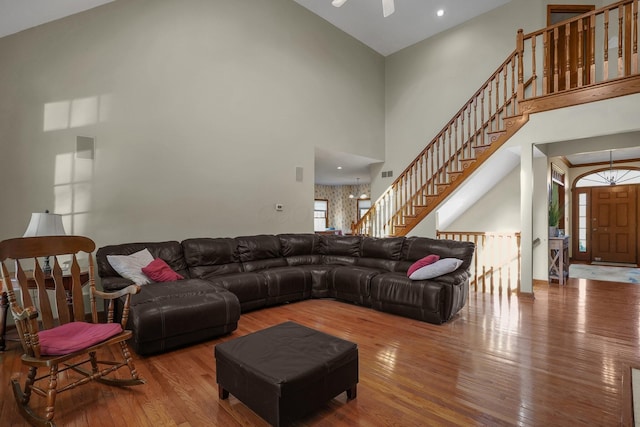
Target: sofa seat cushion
[[250, 288], [312, 259], [377, 264], [287, 284], [432, 301], [319, 281], [171, 314], [351, 283]]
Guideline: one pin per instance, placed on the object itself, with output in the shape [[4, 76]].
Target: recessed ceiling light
[[339, 167], [440, 12]]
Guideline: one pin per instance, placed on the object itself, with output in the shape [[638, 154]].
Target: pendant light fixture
[[352, 195], [613, 177]]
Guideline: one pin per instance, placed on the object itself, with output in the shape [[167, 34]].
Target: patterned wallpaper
[[342, 209]]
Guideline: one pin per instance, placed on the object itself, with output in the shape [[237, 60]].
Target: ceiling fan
[[388, 7]]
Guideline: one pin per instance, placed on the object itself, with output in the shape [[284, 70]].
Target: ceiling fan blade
[[338, 3], [388, 7]]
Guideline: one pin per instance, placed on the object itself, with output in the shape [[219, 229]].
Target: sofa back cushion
[[260, 252], [170, 251], [380, 253], [301, 249], [207, 257], [299, 244], [340, 250], [340, 245], [415, 248], [385, 248]]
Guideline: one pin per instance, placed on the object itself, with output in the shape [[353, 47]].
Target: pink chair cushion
[[74, 336], [429, 259]]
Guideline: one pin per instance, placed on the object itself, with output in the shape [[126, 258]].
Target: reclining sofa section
[[227, 276]]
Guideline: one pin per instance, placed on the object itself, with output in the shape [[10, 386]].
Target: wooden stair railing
[[596, 59], [496, 261], [503, 104], [477, 130]]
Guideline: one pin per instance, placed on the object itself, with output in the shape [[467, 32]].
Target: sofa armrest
[[112, 284]]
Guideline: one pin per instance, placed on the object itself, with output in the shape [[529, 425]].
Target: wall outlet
[[279, 207]]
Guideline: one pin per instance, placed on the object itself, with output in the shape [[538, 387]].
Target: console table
[[559, 259]]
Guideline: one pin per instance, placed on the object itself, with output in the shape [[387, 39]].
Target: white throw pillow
[[130, 266], [438, 268]]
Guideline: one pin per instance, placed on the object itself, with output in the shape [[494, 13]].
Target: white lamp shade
[[45, 224]]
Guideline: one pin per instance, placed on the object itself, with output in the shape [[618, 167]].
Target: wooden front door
[[567, 64], [614, 223]]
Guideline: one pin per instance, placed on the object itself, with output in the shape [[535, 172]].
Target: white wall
[[498, 210], [201, 110]]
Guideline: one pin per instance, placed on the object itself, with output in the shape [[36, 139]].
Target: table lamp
[[45, 224]]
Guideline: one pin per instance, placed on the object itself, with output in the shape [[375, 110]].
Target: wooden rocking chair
[[66, 342]]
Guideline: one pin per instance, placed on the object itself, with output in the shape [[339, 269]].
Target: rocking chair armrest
[[29, 313], [129, 290]]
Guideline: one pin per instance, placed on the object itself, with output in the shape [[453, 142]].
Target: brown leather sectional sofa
[[227, 276]]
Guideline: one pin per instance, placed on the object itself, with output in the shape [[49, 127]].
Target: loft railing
[[596, 51], [496, 261], [594, 48]]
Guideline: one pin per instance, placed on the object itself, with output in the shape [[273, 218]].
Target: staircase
[[574, 71]]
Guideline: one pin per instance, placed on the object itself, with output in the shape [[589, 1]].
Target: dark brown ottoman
[[286, 371]]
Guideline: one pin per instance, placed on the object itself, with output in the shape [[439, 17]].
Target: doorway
[[568, 53], [605, 223]]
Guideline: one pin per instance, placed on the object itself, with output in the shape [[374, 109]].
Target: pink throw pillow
[[429, 259], [159, 271], [74, 336]]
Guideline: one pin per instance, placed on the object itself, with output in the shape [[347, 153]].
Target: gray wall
[[201, 111]]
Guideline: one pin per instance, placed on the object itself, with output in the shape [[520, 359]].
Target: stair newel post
[[505, 105], [580, 53], [556, 71], [489, 104], [475, 128], [605, 71], [567, 56], [422, 174], [634, 31], [545, 64], [592, 50], [497, 99], [469, 133], [448, 150], [520, 55], [534, 76]]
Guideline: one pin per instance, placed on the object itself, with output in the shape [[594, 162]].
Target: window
[[363, 206], [320, 215], [610, 176], [582, 222]]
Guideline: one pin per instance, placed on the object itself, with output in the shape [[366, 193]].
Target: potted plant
[[554, 219]]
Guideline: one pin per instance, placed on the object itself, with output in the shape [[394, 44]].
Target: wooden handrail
[[502, 105], [496, 261], [590, 62], [447, 153]]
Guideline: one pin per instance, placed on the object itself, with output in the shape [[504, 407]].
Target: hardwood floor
[[562, 359]]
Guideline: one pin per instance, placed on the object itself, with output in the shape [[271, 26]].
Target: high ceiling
[[18, 15], [413, 21]]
